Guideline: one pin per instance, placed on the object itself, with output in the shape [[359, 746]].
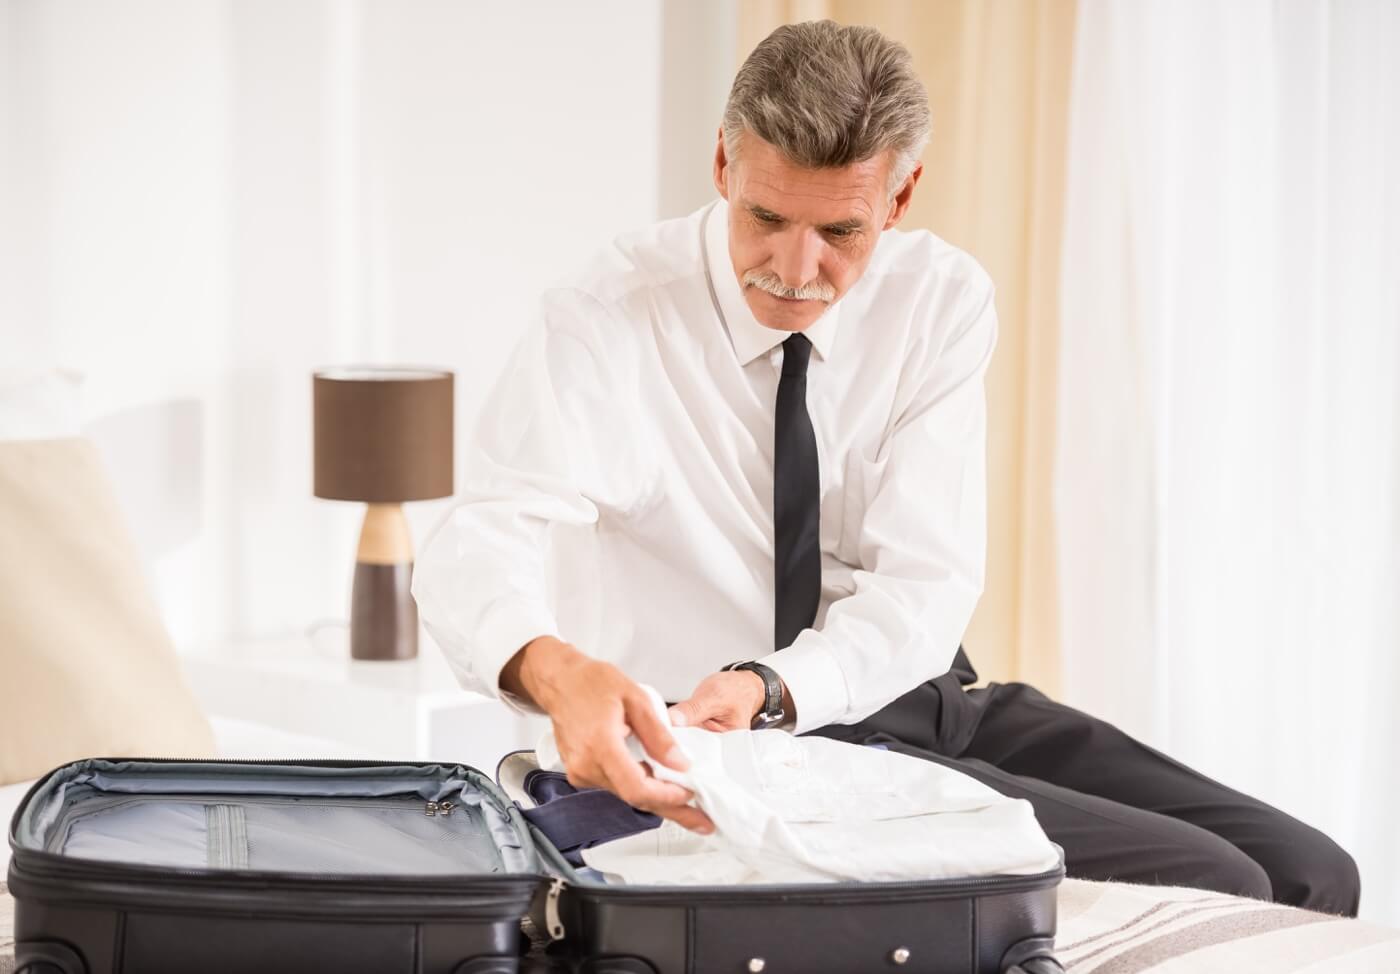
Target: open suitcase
[[155, 866]]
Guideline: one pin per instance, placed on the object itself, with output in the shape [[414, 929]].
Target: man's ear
[[721, 167], [902, 198]]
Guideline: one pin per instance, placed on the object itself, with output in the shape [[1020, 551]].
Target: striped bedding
[[1115, 928]]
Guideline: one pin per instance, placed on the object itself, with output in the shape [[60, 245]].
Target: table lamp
[[383, 436]]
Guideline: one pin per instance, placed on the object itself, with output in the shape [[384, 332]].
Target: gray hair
[[828, 96]]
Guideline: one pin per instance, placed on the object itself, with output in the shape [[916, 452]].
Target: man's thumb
[[682, 714]]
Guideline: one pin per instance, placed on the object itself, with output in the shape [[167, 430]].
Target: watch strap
[[772, 713]]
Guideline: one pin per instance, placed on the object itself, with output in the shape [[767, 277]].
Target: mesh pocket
[[397, 838]]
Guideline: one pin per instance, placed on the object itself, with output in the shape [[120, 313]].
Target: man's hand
[[723, 701], [594, 707]]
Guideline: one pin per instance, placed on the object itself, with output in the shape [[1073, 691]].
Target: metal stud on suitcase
[[163, 866]]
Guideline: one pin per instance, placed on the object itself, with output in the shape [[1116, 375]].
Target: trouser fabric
[[1120, 809]]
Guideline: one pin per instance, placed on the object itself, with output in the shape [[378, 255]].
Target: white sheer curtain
[[1228, 480]]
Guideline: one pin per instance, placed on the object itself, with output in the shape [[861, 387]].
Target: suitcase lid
[[101, 809]]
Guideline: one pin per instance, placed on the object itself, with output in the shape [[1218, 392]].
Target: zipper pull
[[445, 807], [430, 809], [553, 924]]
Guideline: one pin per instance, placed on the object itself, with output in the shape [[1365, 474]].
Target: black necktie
[[796, 497]]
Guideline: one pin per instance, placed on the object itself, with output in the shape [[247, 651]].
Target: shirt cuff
[[814, 678], [506, 629]]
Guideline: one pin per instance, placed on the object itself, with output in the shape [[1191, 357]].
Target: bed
[[1118, 928]]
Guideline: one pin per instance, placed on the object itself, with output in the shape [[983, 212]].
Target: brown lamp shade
[[382, 435]]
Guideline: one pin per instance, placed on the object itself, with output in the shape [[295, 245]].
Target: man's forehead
[[811, 195], [807, 207]]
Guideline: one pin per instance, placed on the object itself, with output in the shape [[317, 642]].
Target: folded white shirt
[[810, 809]]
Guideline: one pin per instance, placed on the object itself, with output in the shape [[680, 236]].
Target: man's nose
[[798, 257]]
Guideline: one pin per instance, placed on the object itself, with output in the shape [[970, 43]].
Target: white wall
[[203, 200], [117, 212]]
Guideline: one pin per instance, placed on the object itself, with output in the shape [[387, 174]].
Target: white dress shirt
[[619, 488], [809, 809]]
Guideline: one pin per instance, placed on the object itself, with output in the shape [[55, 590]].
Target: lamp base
[[383, 615]]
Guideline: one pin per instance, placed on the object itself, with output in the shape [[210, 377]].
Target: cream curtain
[[998, 78]]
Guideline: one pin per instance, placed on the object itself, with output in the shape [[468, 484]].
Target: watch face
[[768, 718]]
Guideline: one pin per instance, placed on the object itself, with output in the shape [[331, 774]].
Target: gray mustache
[[770, 282]]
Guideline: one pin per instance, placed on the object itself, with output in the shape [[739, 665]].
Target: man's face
[[800, 238]]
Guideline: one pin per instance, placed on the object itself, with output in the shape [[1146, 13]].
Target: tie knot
[[797, 349]]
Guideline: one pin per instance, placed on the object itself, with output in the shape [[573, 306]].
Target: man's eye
[[839, 231], [768, 218]]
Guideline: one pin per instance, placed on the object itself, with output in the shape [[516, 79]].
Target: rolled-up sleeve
[[553, 443], [922, 539]]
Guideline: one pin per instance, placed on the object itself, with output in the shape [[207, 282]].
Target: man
[[757, 434]]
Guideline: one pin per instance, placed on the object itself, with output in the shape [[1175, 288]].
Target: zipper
[[52, 878], [273, 762], [554, 925], [825, 893], [99, 870]]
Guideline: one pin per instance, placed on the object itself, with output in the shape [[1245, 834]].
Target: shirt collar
[[751, 338]]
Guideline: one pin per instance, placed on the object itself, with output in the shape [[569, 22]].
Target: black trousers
[[1120, 809]]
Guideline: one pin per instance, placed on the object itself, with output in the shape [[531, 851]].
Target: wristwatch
[[772, 713]]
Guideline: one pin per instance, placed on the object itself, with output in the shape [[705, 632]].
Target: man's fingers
[[600, 757], [650, 794], [629, 781], [658, 796], [655, 736], [691, 818], [681, 813], [585, 774], [706, 703], [670, 789], [662, 798]]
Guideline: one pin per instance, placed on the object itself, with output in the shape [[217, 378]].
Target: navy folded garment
[[576, 818]]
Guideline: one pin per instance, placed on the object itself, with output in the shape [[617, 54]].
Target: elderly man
[[755, 435]]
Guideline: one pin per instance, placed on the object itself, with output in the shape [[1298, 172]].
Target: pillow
[[86, 667], [39, 404]]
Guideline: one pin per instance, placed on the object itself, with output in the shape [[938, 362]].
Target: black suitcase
[[155, 866]]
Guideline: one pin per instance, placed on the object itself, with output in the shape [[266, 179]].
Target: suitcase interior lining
[[392, 820]]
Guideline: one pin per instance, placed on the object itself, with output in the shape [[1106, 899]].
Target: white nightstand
[[408, 709]]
